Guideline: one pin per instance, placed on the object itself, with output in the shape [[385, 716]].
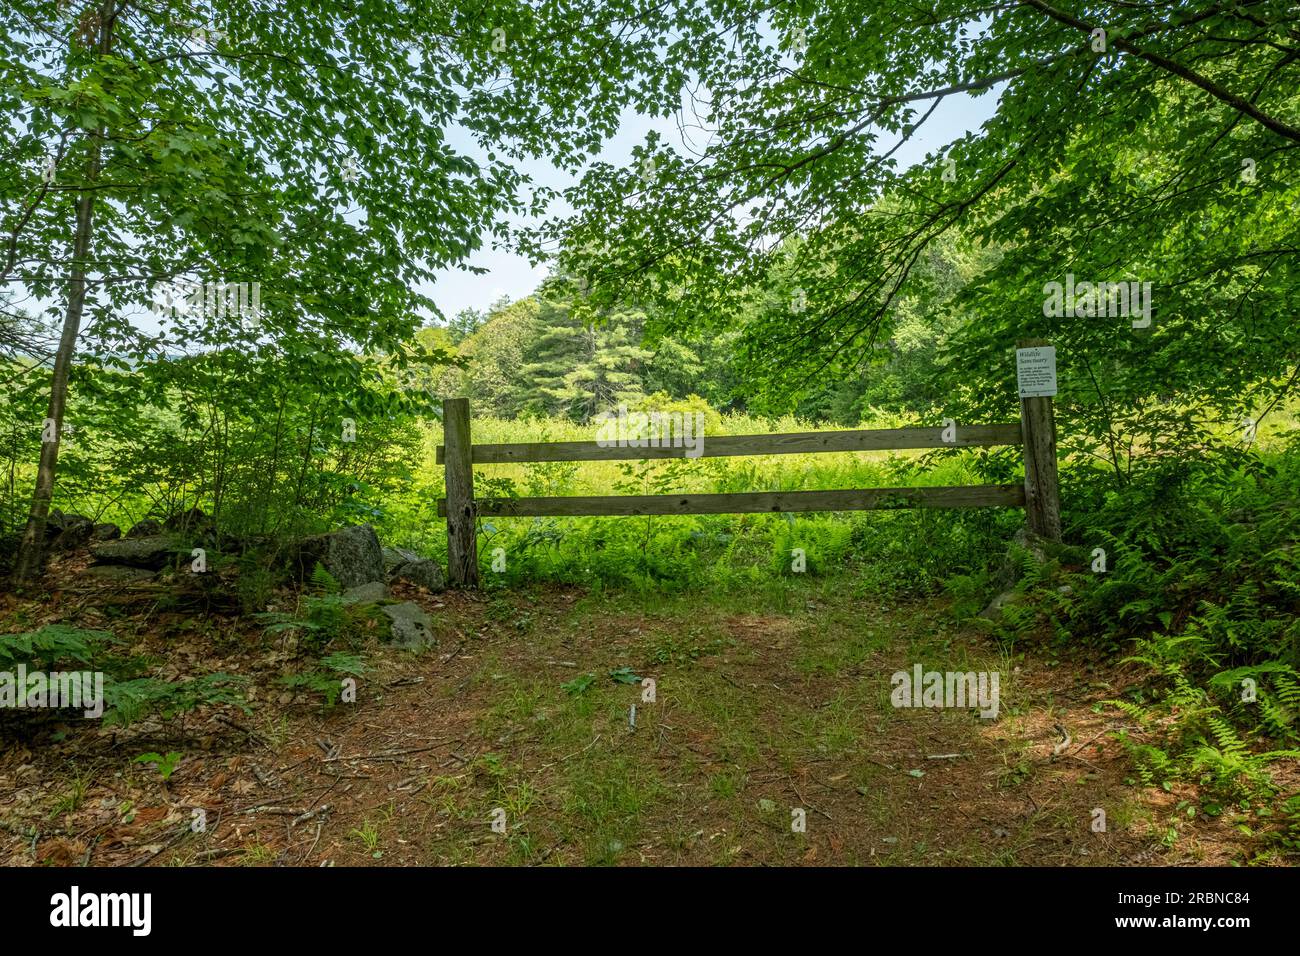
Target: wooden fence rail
[[1036, 431], [726, 446]]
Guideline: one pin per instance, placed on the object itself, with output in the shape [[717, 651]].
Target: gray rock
[[1043, 550], [153, 552], [191, 522], [56, 522], [118, 573], [396, 556], [410, 627], [994, 611], [351, 555], [53, 523], [147, 528], [1025, 543], [425, 572], [365, 593], [1034, 544], [105, 532], [67, 532]]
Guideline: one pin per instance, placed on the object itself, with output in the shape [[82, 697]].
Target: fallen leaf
[[61, 851]]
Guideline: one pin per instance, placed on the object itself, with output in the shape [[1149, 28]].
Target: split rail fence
[[1039, 494]]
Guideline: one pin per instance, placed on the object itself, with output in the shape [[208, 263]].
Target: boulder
[[410, 626], [366, 593], [67, 532], [118, 573], [994, 610], [425, 572], [153, 552], [56, 522], [53, 523], [396, 556], [1025, 544], [105, 532], [351, 555], [192, 522], [147, 528], [1036, 545]]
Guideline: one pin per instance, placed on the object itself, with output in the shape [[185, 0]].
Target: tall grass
[[897, 551]]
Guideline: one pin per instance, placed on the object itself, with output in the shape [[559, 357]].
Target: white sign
[[1036, 371]]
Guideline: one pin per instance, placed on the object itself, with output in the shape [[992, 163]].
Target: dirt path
[[761, 723]]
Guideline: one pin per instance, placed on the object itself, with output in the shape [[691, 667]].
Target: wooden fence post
[[1038, 433], [462, 540]]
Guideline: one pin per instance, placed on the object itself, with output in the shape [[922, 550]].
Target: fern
[[51, 644], [342, 663], [1278, 718], [1230, 745], [1135, 711], [1154, 766], [1288, 688], [326, 618], [127, 701], [126, 698], [324, 679], [325, 582]]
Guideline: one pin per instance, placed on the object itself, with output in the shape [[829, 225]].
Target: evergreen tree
[[578, 370]]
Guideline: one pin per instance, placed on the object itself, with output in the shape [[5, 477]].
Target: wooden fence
[[1036, 432]]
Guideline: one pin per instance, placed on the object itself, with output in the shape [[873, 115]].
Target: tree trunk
[[31, 551]]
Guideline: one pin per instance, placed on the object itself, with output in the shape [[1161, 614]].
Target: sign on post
[[1036, 376], [1036, 371]]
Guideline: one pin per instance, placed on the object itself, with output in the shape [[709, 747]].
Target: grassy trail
[[763, 706], [756, 714]]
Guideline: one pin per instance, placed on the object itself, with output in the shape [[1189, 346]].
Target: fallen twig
[[308, 814]]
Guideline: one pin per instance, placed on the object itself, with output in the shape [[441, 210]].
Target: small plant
[[52, 643], [492, 766], [368, 834], [254, 586], [325, 678], [324, 620], [127, 701], [165, 764], [670, 650], [257, 854], [323, 581], [579, 685], [70, 800], [126, 698]]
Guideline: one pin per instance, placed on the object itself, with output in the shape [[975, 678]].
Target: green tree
[[1131, 142], [493, 356], [464, 324], [302, 146], [577, 368]]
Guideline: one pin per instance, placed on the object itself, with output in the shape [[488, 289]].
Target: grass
[[368, 835], [72, 799], [756, 715], [736, 552], [764, 706], [772, 694]]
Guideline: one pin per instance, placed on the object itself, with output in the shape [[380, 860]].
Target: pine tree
[[578, 370]]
